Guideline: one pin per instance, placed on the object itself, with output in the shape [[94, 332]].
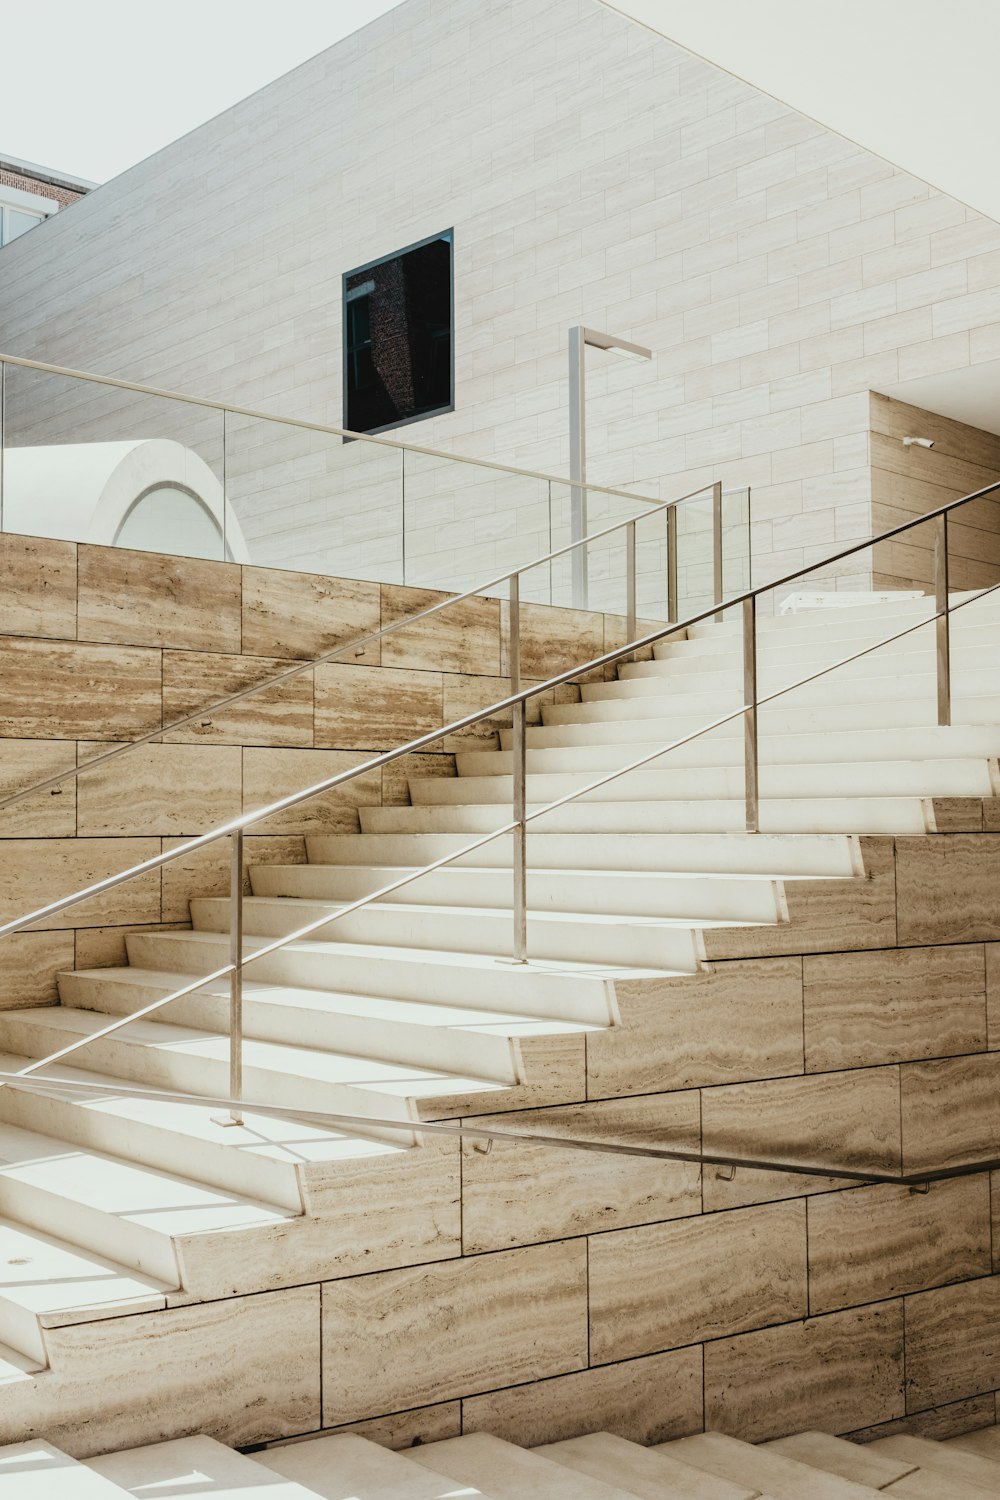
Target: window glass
[[398, 337], [18, 221]]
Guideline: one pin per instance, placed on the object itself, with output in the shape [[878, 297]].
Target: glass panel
[[464, 524], [91, 463], [311, 502]]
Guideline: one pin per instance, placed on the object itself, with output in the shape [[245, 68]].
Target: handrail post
[[235, 1116], [519, 863], [630, 620], [672, 605], [750, 756], [717, 543], [943, 622]]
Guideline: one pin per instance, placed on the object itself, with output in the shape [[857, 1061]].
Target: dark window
[[398, 337]]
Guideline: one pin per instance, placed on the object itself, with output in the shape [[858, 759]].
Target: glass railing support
[[943, 626], [750, 749], [519, 858]]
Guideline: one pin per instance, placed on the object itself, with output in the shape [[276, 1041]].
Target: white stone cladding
[[593, 172]]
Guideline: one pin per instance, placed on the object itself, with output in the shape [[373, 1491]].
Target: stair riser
[[802, 815], [819, 645], [680, 896], [475, 1053], [167, 1068], [246, 1173], [753, 855], [524, 992], [606, 724], [724, 747], [859, 681], [649, 946], [882, 779], [970, 700]]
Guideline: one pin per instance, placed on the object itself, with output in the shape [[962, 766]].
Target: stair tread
[[194, 1466], [958, 1465], [44, 1274], [341, 1465], [985, 1442], [857, 1461], [507, 1472], [331, 1001], [161, 1202], [648, 1474], [303, 1062], [772, 1473], [36, 1470]]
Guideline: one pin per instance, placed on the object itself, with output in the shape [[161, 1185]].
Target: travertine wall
[[908, 482], [99, 645], [537, 1294], [593, 172]]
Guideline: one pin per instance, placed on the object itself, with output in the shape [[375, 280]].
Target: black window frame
[[369, 265]]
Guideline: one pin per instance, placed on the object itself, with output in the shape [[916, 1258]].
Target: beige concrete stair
[[642, 1471]]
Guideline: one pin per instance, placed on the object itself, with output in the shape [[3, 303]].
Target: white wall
[[593, 172]]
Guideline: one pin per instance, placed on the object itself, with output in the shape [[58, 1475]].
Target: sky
[[93, 86]]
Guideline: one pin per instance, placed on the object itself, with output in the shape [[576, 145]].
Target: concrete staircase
[[597, 1466], [406, 1011]]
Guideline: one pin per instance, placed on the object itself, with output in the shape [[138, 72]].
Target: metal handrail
[[516, 701], [307, 426], [489, 1133], [72, 773]]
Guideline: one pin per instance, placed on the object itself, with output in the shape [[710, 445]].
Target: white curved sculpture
[[151, 494]]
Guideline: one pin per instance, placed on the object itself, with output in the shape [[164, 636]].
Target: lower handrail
[[338, 1120]]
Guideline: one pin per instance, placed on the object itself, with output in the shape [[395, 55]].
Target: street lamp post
[[579, 340]]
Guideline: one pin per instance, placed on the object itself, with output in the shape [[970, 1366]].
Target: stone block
[[946, 888], [39, 587], [269, 775], [888, 1006], [647, 1400], [952, 1345], [158, 789], [61, 690], [375, 708], [835, 1373], [873, 1243], [50, 814], [396, 1340], [35, 872], [193, 681], [520, 1194], [665, 1285], [459, 638], [304, 615], [731, 1022], [151, 599]]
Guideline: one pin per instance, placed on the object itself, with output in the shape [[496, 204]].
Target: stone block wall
[[100, 645]]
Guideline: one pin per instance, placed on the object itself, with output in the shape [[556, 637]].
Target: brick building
[[30, 194]]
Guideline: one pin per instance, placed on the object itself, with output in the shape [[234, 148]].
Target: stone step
[[266, 1159], [951, 1466], [915, 778], [985, 1443], [648, 1474], [787, 637], [485, 1043], [506, 1472], [751, 898], [770, 1473], [620, 942], [194, 1466], [569, 990], [856, 1461], [132, 1214], [737, 853], [37, 1471], [842, 618], [866, 680], [724, 747], [848, 815], [974, 701], [48, 1282], [884, 652], [604, 724], [344, 1466], [197, 1062]]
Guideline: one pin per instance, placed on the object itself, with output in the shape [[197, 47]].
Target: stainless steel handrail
[[490, 1133], [515, 701], [322, 427], [72, 773]]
